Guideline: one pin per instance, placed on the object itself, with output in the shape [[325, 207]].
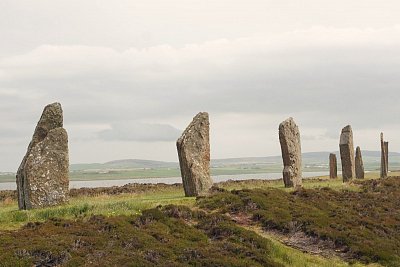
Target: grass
[[124, 204], [78, 207], [313, 183], [158, 237], [114, 228], [364, 221], [316, 182], [288, 256], [168, 236]]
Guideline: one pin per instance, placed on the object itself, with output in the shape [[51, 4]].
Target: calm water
[[171, 180]]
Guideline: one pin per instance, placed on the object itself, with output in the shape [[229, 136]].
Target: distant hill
[[125, 164], [365, 153], [308, 158], [140, 168]]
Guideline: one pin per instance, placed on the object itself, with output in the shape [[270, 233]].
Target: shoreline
[[167, 180], [138, 188], [135, 188]]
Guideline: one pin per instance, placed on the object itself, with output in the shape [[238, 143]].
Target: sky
[[131, 74]]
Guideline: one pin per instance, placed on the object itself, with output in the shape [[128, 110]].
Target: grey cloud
[[312, 137], [325, 136], [289, 73], [142, 132], [325, 78]]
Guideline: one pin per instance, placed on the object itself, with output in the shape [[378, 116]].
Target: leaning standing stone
[[359, 164], [347, 153], [42, 177], [332, 166], [289, 137], [194, 156]]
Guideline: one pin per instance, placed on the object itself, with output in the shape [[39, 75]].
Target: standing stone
[[194, 156], [347, 153], [384, 157], [387, 156], [332, 166], [359, 164], [289, 137], [42, 177]]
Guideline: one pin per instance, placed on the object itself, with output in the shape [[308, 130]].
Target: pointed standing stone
[[347, 153], [384, 157], [332, 166], [359, 164], [194, 156], [42, 177], [289, 137]]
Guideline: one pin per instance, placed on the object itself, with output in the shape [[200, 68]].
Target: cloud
[[323, 70], [324, 77], [320, 69], [142, 132]]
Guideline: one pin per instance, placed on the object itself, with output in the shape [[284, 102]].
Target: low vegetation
[[112, 201], [240, 224], [362, 224], [168, 236], [158, 237]]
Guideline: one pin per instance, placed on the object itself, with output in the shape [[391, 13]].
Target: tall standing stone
[[42, 177], [359, 164], [289, 137], [332, 166], [384, 157], [387, 156], [347, 153], [194, 156]]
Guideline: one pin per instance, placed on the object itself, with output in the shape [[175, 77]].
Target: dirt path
[[296, 239]]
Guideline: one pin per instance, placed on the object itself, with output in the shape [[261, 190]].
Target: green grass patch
[[83, 206]]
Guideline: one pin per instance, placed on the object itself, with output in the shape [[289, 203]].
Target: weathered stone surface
[[194, 156], [46, 170], [42, 177], [332, 166], [359, 164], [384, 157], [387, 156], [347, 153], [289, 137]]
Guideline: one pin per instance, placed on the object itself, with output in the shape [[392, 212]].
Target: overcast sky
[[131, 74]]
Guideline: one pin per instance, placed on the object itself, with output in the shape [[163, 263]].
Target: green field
[[135, 168]]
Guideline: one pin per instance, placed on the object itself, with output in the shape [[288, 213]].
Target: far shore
[[75, 184]]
